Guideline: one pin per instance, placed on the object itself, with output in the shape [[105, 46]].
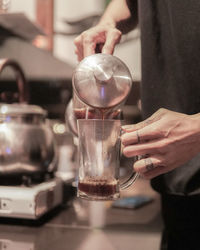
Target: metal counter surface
[[85, 225]]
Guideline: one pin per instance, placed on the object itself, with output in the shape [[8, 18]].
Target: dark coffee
[[83, 113], [98, 187]]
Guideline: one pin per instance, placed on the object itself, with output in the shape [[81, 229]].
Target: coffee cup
[[99, 160]]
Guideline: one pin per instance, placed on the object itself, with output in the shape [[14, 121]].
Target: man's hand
[[119, 17], [166, 140], [103, 37]]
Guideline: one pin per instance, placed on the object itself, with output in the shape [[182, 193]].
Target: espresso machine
[[28, 156]]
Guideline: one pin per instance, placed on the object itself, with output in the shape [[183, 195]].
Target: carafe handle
[[129, 182], [20, 78], [133, 177]]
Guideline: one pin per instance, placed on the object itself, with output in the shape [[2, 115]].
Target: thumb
[[112, 38], [155, 117], [137, 126]]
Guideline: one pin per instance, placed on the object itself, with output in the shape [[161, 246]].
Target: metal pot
[[27, 144], [101, 81], [101, 85]]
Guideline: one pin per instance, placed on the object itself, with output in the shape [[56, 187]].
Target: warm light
[[4, 109], [59, 128]]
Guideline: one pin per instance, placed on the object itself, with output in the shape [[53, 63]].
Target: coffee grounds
[[98, 187]]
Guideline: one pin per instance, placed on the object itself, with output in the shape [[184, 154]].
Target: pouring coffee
[[101, 84]]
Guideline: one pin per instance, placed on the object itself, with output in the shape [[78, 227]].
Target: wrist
[[107, 22]]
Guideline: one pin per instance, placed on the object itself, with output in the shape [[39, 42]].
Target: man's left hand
[[166, 141]]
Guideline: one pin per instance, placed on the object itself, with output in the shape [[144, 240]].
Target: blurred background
[[39, 35]]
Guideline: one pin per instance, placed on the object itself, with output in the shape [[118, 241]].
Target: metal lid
[[102, 81], [21, 109]]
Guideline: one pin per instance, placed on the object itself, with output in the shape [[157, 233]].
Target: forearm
[[121, 14]]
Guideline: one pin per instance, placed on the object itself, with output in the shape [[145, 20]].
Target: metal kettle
[[101, 84], [27, 145], [102, 81]]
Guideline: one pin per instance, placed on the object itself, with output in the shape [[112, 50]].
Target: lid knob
[[103, 73]]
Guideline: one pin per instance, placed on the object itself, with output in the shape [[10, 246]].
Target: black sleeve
[[127, 25]]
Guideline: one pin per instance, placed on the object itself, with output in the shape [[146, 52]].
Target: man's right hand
[[103, 36]]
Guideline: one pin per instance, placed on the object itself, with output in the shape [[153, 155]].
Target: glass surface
[[99, 159]]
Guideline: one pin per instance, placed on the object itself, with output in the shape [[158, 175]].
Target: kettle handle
[[20, 78]]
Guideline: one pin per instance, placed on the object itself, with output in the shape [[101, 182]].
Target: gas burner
[[30, 202]]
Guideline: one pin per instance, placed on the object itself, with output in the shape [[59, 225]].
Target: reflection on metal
[[6, 244]]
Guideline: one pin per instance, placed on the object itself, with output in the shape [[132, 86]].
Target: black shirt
[[170, 40]]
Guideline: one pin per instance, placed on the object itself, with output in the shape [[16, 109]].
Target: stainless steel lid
[[102, 81], [21, 109]]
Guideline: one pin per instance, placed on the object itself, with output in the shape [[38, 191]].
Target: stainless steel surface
[[30, 202], [102, 81], [27, 143], [101, 84], [26, 148], [17, 109], [70, 118]]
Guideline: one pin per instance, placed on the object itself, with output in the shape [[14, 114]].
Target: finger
[[148, 164], [79, 47], [132, 127], [142, 135], [139, 125], [89, 41], [112, 38], [130, 138], [155, 172], [79, 55], [88, 47], [151, 147]]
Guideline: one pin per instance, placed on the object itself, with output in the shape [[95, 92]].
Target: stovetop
[[30, 201]]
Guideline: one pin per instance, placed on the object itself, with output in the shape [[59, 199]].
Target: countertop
[[88, 225]]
